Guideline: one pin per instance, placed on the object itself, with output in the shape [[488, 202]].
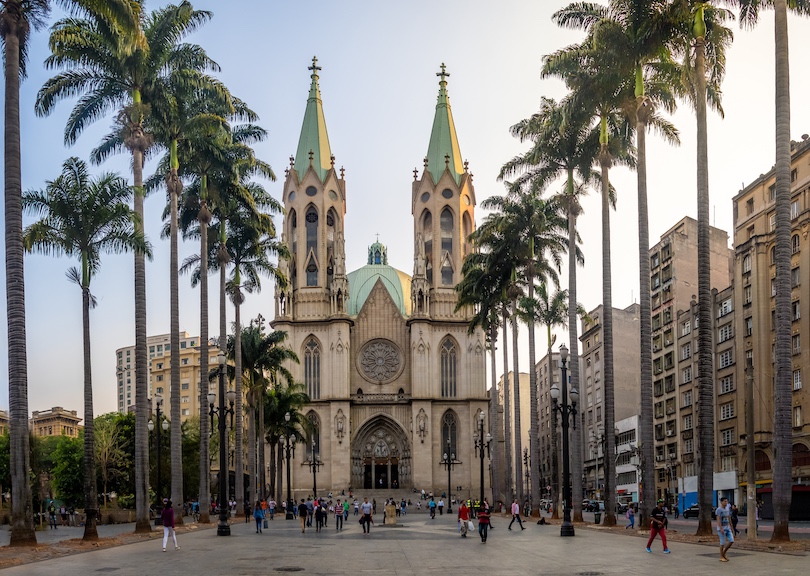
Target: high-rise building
[[395, 377], [525, 422], [754, 302], [673, 285]]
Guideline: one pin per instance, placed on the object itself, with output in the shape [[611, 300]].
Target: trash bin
[[597, 517]]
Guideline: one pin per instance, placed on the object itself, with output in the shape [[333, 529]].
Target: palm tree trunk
[[782, 393], [253, 471], [534, 441], [89, 456], [279, 471], [22, 513], [205, 441], [555, 459], [222, 259], [646, 433], [263, 492], [509, 489], [516, 394], [705, 423], [607, 343], [239, 451], [497, 491], [174, 185], [573, 342], [142, 407]]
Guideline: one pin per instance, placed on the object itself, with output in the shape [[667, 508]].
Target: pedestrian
[[310, 512], [676, 511], [271, 506], [483, 524], [463, 519], [168, 524], [440, 506], [319, 514], [64, 514], [346, 509], [258, 515], [302, 514], [516, 515], [52, 516], [631, 518], [339, 515], [735, 517], [368, 515], [724, 532], [658, 526], [432, 505]]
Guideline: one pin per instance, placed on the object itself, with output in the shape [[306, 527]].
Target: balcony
[[380, 398]]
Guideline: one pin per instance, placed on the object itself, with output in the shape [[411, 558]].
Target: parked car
[[694, 511], [593, 505], [621, 507]]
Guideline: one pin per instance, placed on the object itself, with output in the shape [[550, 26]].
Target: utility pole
[[751, 489]]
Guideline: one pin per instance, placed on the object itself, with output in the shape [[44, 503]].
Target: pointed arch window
[[294, 231], [446, 225], [314, 443], [312, 368], [467, 230], [312, 229], [377, 257], [449, 368], [427, 234], [449, 431]]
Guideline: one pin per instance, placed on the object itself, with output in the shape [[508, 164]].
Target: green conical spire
[[313, 145], [443, 149]]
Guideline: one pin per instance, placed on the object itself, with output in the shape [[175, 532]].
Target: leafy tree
[[110, 454], [68, 470]]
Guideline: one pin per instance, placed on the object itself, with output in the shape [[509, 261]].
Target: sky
[[379, 88]]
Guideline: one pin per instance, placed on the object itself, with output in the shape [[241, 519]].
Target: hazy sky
[[379, 89]]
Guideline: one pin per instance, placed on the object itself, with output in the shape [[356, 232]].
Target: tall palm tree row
[[84, 218], [281, 400]]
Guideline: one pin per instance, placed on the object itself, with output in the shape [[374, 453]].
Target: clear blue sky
[[379, 90]]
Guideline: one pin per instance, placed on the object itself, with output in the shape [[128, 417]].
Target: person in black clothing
[[302, 514], [658, 519], [734, 518]]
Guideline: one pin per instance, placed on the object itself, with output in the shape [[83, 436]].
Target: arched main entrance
[[381, 457]]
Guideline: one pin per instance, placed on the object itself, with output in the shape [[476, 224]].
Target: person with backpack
[[631, 518]]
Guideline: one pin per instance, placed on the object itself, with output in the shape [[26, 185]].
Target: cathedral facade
[[395, 378]]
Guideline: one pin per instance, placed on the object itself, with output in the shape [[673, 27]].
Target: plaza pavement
[[418, 546]]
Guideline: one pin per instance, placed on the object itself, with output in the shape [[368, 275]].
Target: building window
[[727, 437], [687, 398], [686, 327], [446, 225], [795, 244], [449, 367], [686, 351], [184, 361], [796, 310], [727, 411], [686, 375], [724, 333], [184, 386], [724, 308], [794, 209], [726, 385], [312, 369], [688, 446], [726, 358], [747, 295], [185, 411], [313, 450], [184, 400], [160, 378], [797, 344], [182, 345], [449, 431], [746, 263], [687, 422], [772, 221], [794, 277], [797, 416], [797, 379], [749, 326]]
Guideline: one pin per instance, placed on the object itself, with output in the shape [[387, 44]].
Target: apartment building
[[55, 422], [754, 274], [548, 374], [525, 422], [674, 284], [627, 386], [628, 462]]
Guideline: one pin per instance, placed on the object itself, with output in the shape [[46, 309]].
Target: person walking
[[735, 517], [338, 515], [463, 519], [302, 514], [168, 524], [516, 514], [432, 506], [483, 524], [631, 518], [52, 516], [440, 505], [319, 513], [356, 507], [367, 508], [724, 530], [258, 515], [658, 520], [247, 510], [271, 506]]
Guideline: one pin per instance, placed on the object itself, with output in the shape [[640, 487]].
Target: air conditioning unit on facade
[[659, 458], [670, 433]]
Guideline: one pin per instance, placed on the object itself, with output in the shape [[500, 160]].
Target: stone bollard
[[390, 515]]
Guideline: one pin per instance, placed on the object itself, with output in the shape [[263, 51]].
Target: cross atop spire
[[314, 66], [444, 73]]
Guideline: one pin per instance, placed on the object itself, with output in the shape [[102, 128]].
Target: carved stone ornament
[[379, 361]]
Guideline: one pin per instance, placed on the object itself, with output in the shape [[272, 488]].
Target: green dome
[[362, 281]]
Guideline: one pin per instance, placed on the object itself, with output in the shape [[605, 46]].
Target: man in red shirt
[[463, 518]]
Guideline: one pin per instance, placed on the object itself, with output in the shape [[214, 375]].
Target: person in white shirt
[[516, 515], [368, 512]]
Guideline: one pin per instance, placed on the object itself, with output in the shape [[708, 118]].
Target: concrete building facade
[[55, 422]]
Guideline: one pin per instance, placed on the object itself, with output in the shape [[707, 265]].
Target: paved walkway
[[420, 546]]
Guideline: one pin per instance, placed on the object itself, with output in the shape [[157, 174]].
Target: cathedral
[[395, 378]]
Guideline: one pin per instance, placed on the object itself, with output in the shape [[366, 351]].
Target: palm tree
[[782, 391], [639, 34], [17, 19], [84, 218], [281, 400], [115, 64]]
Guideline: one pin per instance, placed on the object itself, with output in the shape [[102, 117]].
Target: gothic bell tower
[[315, 204], [443, 208]]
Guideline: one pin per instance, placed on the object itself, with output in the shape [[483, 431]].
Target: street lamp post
[[482, 443], [448, 461], [526, 473], [165, 426], [598, 439], [673, 480], [223, 528], [565, 410], [314, 465], [288, 440]]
